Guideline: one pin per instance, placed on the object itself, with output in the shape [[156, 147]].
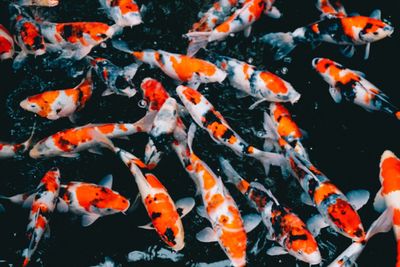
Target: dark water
[[344, 141]]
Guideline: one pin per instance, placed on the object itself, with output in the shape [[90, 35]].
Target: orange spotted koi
[[125, 13], [263, 85], [284, 226], [241, 19], [351, 86], [60, 103], [76, 39], [192, 71], [335, 209], [92, 201], [205, 115], [334, 27], [42, 203], [6, 44], [68, 143]]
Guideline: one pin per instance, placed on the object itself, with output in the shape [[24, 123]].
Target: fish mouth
[[33, 153], [315, 61], [24, 104]]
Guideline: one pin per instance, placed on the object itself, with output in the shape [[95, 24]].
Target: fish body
[[76, 39], [43, 205], [60, 103], [284, 226], [154, 93], [349, 85], [117, 79], [7, 48], [43, 3], [263, 85], [69, 142], [125, 13]]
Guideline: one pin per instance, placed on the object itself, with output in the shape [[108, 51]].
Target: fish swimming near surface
[[7, 48], [352, 86], [58, 104], [260, 84], [334, 27], [283, 226], [92, 201], [125, 13], [192, 71]]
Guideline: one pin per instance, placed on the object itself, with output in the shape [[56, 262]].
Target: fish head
[[114, 203], [323, 66], [154, 93], [375, 30], [30, 104], [42, 149]]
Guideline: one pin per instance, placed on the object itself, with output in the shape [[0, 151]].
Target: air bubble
[[284, 70], [142, 103], [250, 60], [287, 60], [103, 45]]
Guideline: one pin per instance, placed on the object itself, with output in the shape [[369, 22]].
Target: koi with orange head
[[352, 86], [125, 13]]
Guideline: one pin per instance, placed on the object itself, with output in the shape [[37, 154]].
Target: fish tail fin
[[190, 136], [117, 29], [283, 43], [28, 142], [381, 225], [121, 46], [230, 173], [198, 40], [145, 124]]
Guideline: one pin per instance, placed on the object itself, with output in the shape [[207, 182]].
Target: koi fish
[[44, 3], [6, 44], [92, 201], [214, 16], [27, 34], [335, 209], [388, 196], [205, 115], [8, 150], [125, 13], [42, 203], [68, 143], [242, 19], [165, 121], [154, 93], [60, 103], [76, 39], [284, 226], [263, 85], [117, 80], [345, 31], [164, 215], [327, 9], [182, 68], [351, 86]]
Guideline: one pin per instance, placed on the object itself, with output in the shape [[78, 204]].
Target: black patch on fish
[[169, 235], [293, 238], [312, 185], [67, 31], [121, 83], [155, 215], [180, 211], [367, 27]]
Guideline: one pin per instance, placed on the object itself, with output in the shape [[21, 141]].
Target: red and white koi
[[76, 39], [92, 201], [68, 143], [351, 86], [125, 13], [117, 79], [154, 93], [241, 19], [335, 209], [388, 197], [44, 3], [208, 118], [58, 104], [335, 28], [263, 85], [6, 44], [182, 68], [160, 207], [284, 226]]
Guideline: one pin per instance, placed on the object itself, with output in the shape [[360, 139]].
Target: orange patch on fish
[[217, 129], [41, 222], [101, 197], [215, 201], [273, 83], [154, 92], [153, 181], [73, 32], [185, 67], [106, 129], [125, 6], [396, 216], [323, 191], [390, 173], [192, 95], [44, 101]]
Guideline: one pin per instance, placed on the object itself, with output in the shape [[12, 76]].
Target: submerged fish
[[351, 86], [125, 13]]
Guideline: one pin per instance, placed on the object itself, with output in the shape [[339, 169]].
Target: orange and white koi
[[388, 197], [58, 104], [335, 209], [117, 79], [6, 44], [44, 3], [335, 28], [263, 85], [241, 19], [284, 226], [8, 150], [92, 201], [351, 86], [125, 13], [76, 39], [164, 215], [68, 143], [42, 203], [182, 68], [154, 93], [205, 115]]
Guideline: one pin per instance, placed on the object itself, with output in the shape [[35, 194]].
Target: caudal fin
[[198, 40], [230, 173], [282, 43], [121, 46]]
